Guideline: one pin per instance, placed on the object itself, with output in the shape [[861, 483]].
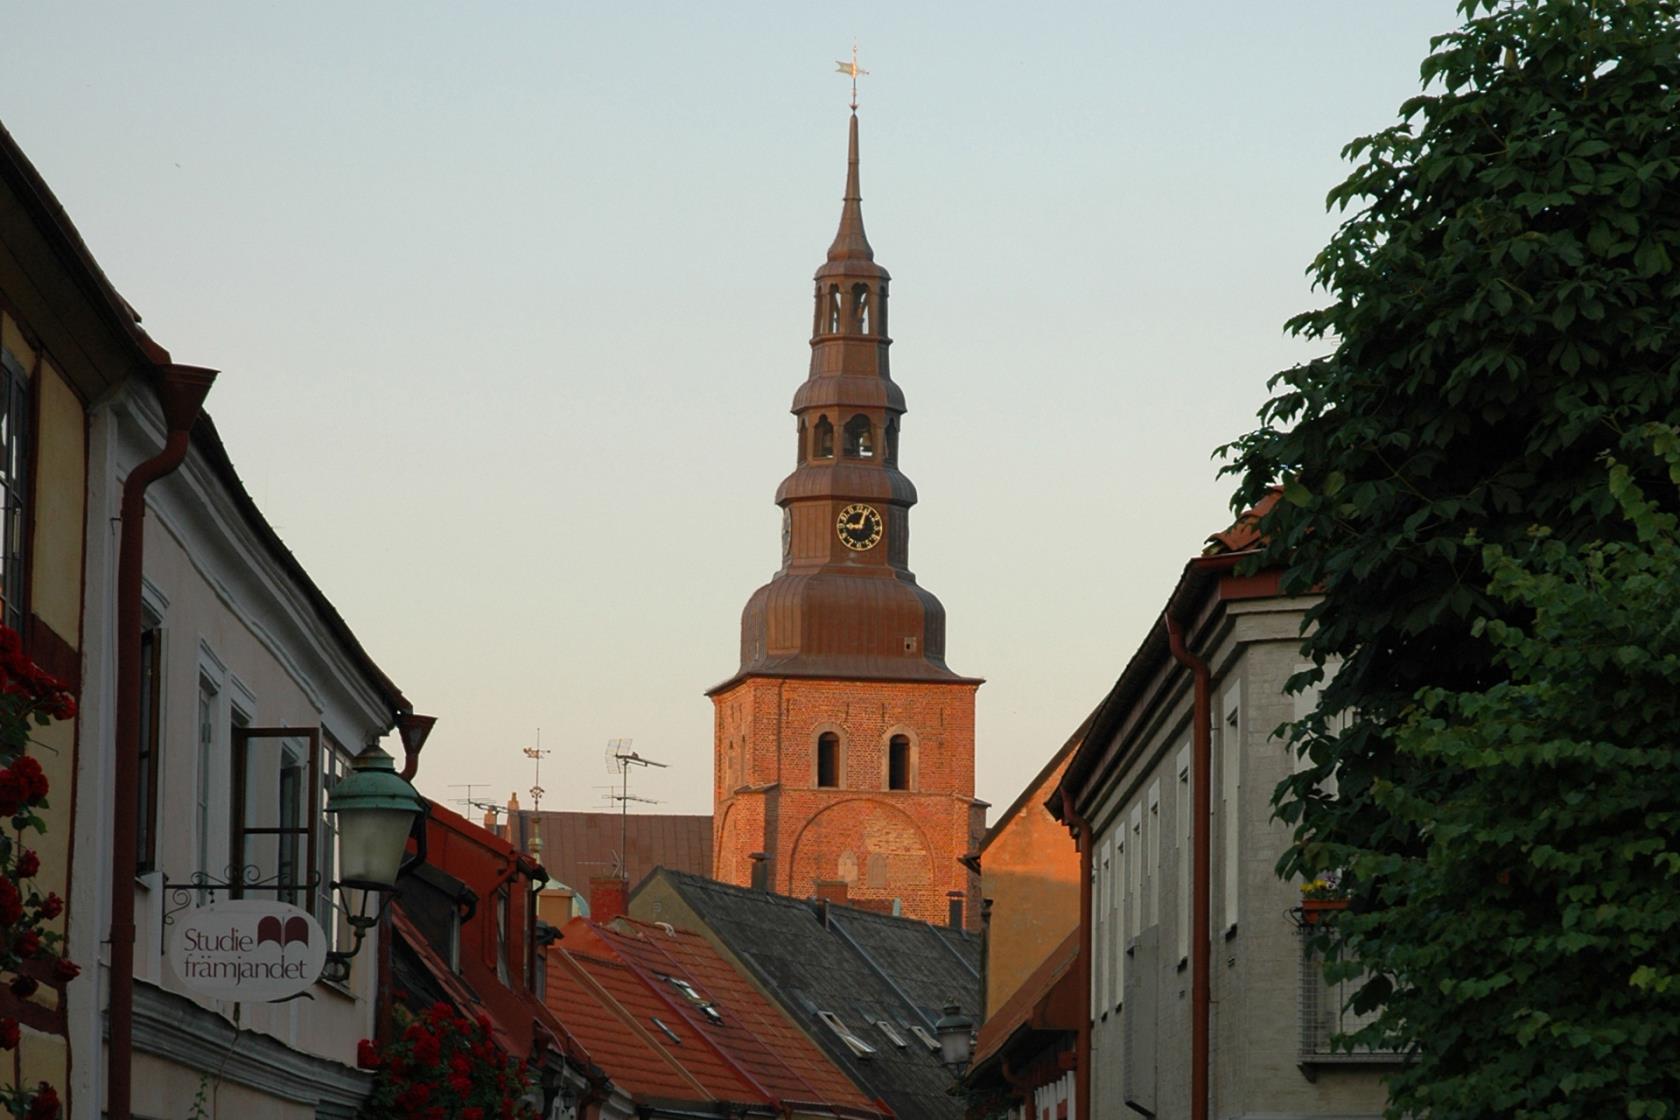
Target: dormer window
[[860, 438], [822, 440]]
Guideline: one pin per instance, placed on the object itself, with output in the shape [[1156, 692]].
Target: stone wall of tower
[[886, 844]]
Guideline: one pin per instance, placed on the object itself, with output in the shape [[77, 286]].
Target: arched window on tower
[[898, 762], [822, 440], [892, 443], [799, 457], [860, 438], [834, 309], [828, 760], [860, 307]]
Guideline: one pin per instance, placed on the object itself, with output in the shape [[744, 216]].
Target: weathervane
[[851, 69]]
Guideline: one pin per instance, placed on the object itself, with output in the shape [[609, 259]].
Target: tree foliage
[[1504, 315], [1537, 933]]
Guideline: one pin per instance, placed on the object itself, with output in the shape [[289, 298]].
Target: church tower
[[844, 745]]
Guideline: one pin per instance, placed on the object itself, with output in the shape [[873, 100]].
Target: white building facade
[[255, 696]]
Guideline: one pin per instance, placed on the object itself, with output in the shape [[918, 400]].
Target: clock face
[[859, 527]]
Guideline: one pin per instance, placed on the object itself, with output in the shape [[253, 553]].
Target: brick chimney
[[609, 898], [832, 890], [954, 909], [760, 870]]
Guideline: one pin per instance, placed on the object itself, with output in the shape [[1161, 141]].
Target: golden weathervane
[[852, 70]]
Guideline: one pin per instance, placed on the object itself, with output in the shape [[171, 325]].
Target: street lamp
[[376, 810], [956, 1037]]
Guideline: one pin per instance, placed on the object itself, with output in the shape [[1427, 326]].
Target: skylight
[[706, 1006], [853, 1043], [928, 1040], [669, 1033], [893, 1036]]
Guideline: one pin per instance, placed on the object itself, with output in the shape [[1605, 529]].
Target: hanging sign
[[247, 950]]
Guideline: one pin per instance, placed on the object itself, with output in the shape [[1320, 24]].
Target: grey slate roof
[[861, 967]]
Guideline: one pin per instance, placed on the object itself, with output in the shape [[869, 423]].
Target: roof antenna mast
[[620, 758], [851, 69]]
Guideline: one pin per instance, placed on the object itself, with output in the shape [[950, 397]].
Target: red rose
[[28, 864], [8, 1034], [11, 903], [28, 943], [66, 970], [460, 1083], [34, 779], [24, 986], [51, 906], [45, 1104], [367, 1054], [428, 1051], [473, 1113], [13, 793]]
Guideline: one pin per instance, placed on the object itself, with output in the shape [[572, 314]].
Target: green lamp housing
[[376, 810]]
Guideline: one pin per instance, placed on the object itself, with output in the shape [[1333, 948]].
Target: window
[[334, 918], [1100, 931], [455, 941], [276, 802], [14, 460], [893, 1036], [853, 1043], [1184, 813], [151, 676], [502, 904], [898, 762], [860, 438], [706, 1006], [822, 439], [1153, 823], [828, 760], [202, 777], [927, 1038], [1134, 871], [833, 308], [860, 307], [1230, 788], [1117, 914]]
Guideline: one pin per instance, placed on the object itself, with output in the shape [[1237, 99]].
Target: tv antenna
[[467, 801], [536, 754], [620, 758]]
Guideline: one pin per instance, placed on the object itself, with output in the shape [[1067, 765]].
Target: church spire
[[850, 243]]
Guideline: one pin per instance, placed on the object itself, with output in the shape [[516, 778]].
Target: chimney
[[954, 904], [760, 870], [832, 890], [609, 898], [490, 821]]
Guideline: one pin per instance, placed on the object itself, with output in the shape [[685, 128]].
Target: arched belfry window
[[834, 309], [860, 438], [860, 307], [892, 442], [822, 440], [799, 456], [828, 760], [898, 762]]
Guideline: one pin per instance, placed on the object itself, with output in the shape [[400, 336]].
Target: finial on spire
[[851, 69]]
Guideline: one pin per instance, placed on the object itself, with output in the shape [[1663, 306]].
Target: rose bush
[[444, 1066], [29, 949]]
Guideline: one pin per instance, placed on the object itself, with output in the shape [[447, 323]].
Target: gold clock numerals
[[859, 527]]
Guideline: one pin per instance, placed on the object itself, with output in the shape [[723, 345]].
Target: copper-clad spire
[[850, 244]]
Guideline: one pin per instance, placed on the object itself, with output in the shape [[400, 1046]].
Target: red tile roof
[[750, 1053], [1046, 1000]]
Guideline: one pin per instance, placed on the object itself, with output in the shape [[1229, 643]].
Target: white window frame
[[1134, 871], [1122, 884], [1152, 832], [1099, 931]]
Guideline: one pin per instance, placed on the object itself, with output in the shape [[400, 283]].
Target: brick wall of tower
[[884, 843]]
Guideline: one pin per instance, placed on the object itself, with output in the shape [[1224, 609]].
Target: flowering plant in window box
[[1320, 896], [443, 1065], [29, 947]]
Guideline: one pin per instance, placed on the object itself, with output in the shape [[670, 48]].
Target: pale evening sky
[[511, 300]]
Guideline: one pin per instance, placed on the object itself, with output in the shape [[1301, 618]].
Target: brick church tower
[[844, 746]]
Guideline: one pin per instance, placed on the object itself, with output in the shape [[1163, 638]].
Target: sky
[[511, 300]]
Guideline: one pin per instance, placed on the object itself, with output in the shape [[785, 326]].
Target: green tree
[[1537, 933], [1504, 314]]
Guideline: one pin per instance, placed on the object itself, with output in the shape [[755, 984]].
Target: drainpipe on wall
[[181, 391], [1081, 829], [1201, 933]]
